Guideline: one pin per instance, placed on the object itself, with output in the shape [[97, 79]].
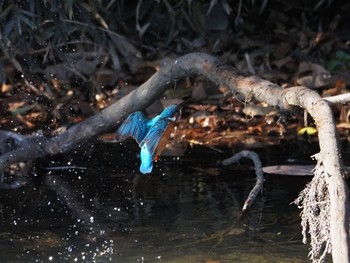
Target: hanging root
[[315, 216]]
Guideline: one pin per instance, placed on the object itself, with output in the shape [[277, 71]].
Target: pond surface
[[101, 209]]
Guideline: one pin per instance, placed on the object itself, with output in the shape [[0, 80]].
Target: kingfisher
[[152, 134]]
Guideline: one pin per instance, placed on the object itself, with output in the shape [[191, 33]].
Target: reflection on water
[[181, 213]]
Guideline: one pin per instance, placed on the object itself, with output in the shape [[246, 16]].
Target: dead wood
[[259, 177], [247, 87]]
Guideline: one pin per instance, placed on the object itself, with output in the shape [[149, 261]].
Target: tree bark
[[247, 87]]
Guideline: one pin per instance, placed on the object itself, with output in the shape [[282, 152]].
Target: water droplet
[[70, 249]]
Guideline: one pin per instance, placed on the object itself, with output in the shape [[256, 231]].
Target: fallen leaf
[[312, 75], [256, 110], [307, 130]]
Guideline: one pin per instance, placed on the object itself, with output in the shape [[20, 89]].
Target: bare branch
[[342, 98], [259, 176]]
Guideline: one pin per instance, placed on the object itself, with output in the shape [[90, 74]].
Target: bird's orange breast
[[165, 138]]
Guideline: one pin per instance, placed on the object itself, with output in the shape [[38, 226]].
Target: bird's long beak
[[180, 106]]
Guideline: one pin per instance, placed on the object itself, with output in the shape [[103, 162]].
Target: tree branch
[[259, 177], [341, 98]]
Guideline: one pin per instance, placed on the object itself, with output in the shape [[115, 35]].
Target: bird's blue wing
[[154, 136], [149, 145], [135, 126]]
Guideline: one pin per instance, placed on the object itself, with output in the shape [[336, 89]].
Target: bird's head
[[172, 113]]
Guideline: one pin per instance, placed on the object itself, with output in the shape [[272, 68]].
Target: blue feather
[[154, 135], [134, 126], [148, 133], [146, 160], [170, 111]]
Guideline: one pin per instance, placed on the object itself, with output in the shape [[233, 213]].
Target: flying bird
[[152, 134]]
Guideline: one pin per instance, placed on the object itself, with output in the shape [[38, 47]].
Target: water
[[186, 211]]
